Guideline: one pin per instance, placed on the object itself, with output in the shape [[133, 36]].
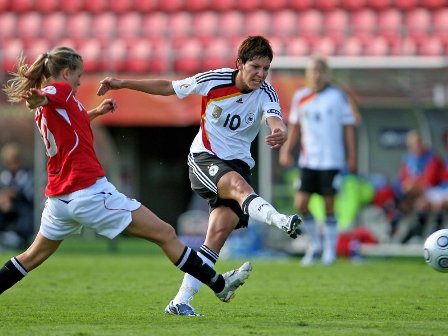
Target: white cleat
[[291, 225], [234, 279]]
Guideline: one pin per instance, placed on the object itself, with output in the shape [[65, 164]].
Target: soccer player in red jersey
[[78, 193]]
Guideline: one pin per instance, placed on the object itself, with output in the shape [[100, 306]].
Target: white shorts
[[100, 207], [437, 195]]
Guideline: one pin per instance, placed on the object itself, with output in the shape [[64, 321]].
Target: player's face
[[316, 75], [253, 73], [74, 78]]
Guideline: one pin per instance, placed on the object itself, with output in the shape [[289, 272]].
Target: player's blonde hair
[[47, 65]]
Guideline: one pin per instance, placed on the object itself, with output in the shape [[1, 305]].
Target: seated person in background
[[419, 171], [437, 196], [16, 199]]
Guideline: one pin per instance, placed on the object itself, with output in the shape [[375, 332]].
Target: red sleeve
[[58, 93]]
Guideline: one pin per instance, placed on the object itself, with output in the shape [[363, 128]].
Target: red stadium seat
[[8, 26], [418, 24], [29, 26], [390, 23], [440, 24], [96, 6], [363, 23], [405, 5], [284, 23], [54, 27], [47, 6], [197, 5], [139, 57], [378, 46], [129, 26], [434, 4], [336, 24], [4, 6], [297, 46], [326, 5], [37, 48], [380, 4], [352, 46], [431, 46], [324, 46], [79, 26], [180, 26], [120, 7], [155, 25], [248, 5], [104, 27], [188, 57], [10, 51], [22, 5], [301, 4], [171, 5], [205, 26], [114, 56], [72, 6], [404, 47], [273, 6], [217, 55], [353, 5], [91, 53], [231, 23], [223, 5], [257, 23], [145, 6], [310, 24]]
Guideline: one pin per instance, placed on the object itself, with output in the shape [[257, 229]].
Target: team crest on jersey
[[212, 170], [185, 86], [216, 112], [250, 118], [50, 90], [240, 100]]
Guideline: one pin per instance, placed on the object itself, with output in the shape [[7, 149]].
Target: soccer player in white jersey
[[234, 103], [323, 121], [78, 193]]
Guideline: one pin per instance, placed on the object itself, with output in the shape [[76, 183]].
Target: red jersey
[[64, 126]]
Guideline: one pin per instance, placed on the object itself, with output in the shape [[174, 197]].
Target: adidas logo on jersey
[[240, 101]]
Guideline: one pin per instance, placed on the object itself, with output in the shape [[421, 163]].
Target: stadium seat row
[[122, 6]]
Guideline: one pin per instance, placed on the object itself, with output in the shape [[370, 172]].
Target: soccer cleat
[[291, 226], [234, 279], [183, 309]]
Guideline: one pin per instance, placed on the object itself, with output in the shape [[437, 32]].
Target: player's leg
[[222, 222], [233, 186], [18, 267], [330, 232], [145, 224]]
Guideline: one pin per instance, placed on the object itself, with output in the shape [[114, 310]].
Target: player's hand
[[106, 106], [276, 139], [34, 98], [108, 83]]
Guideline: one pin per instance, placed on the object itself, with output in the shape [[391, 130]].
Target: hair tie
[[47, 54]]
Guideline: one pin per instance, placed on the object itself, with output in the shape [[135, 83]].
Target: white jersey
[[230, 119], [321, 116]]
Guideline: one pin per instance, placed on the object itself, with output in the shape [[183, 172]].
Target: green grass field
[[86, 290]]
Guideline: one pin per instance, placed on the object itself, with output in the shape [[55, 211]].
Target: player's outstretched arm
[[160, 87], [34, 98], [107, 105]]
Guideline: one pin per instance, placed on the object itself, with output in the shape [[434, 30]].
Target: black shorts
[[205, 170], [318, 181]]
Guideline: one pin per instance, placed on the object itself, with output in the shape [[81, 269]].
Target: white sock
[[262, 211], [190, 285], [330, 238], [311, 229]]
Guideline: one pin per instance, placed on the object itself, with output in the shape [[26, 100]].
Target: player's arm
[[279, 132], [350, 147], [35, 98], [107, 105], [160, 87], [286, 157]]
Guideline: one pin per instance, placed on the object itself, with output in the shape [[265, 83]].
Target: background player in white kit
[[78, 191], [234, 103], [323, 121]]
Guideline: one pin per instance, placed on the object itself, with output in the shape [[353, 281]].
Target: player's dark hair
[[47, 65], [254, 47]]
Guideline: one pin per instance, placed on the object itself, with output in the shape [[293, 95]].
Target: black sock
[[245, 205], [189, 262], [439, 221], [11, 273]]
